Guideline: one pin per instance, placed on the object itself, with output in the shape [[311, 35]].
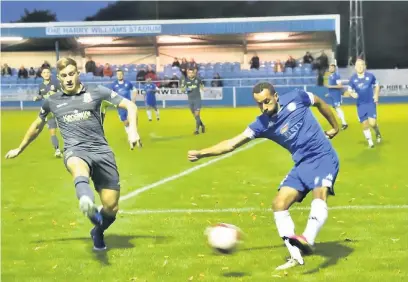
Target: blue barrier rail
[[16, 97]]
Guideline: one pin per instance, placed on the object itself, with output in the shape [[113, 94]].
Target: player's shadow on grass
[[367, 155], [332, 252], [236, 274], [113, 241], [167, 138]]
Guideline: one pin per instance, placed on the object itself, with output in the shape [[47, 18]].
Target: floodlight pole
[[356, 32], [57, 49]]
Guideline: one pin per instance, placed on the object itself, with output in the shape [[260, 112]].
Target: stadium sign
[[393, 90], [103, 30], [176, 94]]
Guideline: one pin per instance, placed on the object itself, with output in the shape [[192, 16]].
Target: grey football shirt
[[195, 85], [79, 117], [46, 90]]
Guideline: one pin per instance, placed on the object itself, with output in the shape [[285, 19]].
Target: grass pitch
[[159, 235]]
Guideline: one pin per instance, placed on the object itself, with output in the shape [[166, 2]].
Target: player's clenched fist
[[193, 155], [13, 153]]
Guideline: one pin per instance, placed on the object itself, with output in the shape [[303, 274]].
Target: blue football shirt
[[364, 87], [123, 88], [334, 92], [294, 127]]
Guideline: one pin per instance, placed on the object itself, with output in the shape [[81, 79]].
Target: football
[[223, 237]]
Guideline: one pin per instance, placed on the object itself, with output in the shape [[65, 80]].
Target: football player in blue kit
[[335, 91], [287, 120], [364, 87], [125, 89], [149, 90]]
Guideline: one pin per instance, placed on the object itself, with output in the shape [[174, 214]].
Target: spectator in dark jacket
[[6, 70], [31, 72], [290, 63], [184, 66], [176, 63], [308, 58], [140, 76], [90, 66], [255, 62], [22, 72], [217, 82]]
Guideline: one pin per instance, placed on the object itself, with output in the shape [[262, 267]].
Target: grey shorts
[[51, 123], [195, 105], [102, 166]]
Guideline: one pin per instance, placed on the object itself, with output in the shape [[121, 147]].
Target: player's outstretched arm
[[131, 108], [33, 131], [223, 147], [376, 93], [326, 111]]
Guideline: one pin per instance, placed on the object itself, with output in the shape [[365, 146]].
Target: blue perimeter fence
[[14, 96]]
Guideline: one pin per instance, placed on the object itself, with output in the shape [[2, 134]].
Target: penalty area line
[[186, 172], [239, 210]]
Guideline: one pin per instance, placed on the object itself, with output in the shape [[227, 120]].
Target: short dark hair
[[263, 85], [119, 70], [45, 68]]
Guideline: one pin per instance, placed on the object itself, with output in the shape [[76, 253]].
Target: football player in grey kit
[[46, 89], [87, 154]]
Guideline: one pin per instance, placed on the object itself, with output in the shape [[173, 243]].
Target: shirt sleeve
[[306, 98], [374, 81], [255, 129], [351, 84], [45, 110], [110, 96]]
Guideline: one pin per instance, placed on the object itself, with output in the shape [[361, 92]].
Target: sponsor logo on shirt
[[77, 116], [289, 131]]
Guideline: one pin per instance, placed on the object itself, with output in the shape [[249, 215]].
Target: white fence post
[[234, 97], [21, 105]]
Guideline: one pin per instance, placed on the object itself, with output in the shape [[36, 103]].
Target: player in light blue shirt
[[335, 91], [149, 89], [364, 87], [125, 89], [287, 120]]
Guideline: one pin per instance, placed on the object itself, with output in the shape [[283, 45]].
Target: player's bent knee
[[321, 193], [111, 208], [77, 167], [285, 198]]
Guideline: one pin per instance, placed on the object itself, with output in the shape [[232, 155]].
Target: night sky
[[65, 11]]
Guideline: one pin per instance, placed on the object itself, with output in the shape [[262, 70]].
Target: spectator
[[6, 70], [31, 72], [278, 66], [90, 66], [217, 82], [183, 66], [107, 70], [45, 65], [99, 70], [152, 75], [255, 62], [140, 76], [322, 63], [174, 81], [308, 58], [38, 73], [290, 63], [176, 63], [192, 64], [22, 72]]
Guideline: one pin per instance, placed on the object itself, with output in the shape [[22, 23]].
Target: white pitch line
[[235, 210], [186, 172]]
